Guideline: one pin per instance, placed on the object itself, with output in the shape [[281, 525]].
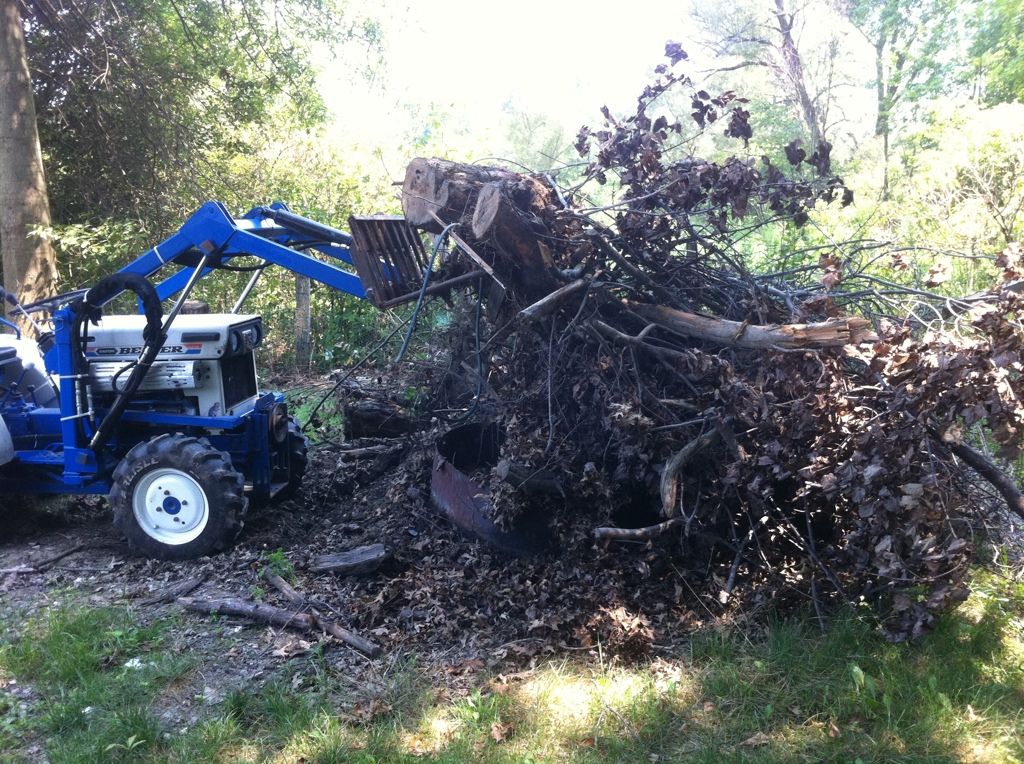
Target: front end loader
[[161, 411]]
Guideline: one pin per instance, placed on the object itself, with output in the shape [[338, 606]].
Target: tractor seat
[[21, 363]]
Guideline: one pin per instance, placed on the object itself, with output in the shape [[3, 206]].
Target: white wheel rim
[[170, 506]]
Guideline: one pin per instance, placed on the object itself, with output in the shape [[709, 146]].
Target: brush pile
[[800, 431]]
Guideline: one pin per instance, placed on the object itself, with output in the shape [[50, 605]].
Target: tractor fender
[[6, 444]]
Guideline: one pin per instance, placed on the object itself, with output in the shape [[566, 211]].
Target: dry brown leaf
[[757, 739], [500, 731]]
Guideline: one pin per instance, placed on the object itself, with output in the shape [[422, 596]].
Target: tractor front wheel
[[176, 497]]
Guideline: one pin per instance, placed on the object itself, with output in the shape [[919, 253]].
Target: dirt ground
[[455, 605]]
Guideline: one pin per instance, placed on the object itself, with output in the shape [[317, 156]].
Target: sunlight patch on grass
[[435, 732]]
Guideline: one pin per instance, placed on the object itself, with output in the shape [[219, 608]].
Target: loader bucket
[[391, 260]]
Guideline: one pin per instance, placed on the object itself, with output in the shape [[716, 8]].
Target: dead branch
[[835, 332], [299, 600], [285, 588], [361, 453], [43, 565], [547, 305], [1000, 480], [637, 534], [351, 639], [254, 611], [171, 593], [669, 488]]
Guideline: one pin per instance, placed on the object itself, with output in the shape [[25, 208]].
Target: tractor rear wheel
[[176, 497]]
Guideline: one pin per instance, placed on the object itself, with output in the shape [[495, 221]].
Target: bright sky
[[561, 59]]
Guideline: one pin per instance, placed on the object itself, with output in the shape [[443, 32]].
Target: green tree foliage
[[962, 179], [996, 50], [915, 46], [323, 180], [140, 101], [147, 108]]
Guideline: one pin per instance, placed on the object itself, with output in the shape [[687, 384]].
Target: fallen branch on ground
[[637, 534], [299, 600], [43, 565], [254, 611], [173, 592]]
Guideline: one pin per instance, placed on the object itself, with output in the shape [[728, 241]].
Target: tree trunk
[[29, 265], [794, 70], [303, 322], [882, 115]]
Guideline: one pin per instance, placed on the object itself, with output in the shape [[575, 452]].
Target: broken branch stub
[[669, 484]]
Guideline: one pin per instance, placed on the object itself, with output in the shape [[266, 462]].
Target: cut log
[[507, 218], [364, 559], [515, 203], [376, 417], [637, 534], [254, 611], [835, 332], [446, 189]]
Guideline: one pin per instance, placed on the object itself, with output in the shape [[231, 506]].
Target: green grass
[[787, 693], [95, 671]]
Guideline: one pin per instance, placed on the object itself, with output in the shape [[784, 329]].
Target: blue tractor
[[162, 412]]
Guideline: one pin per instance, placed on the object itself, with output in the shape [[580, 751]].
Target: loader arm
[[274, 234]]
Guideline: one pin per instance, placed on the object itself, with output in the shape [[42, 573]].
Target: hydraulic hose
[[90, 308]]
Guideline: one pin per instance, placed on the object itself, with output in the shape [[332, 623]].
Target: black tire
[[298, 460], [186, 493]]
